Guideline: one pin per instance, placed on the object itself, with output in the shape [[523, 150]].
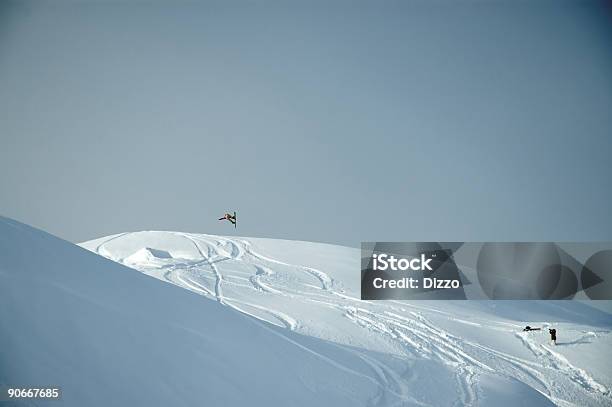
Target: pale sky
[[332, 121]]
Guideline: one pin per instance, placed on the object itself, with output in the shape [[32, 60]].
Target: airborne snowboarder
[[230, 217]]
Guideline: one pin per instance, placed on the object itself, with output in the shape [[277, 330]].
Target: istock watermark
[[486, 270]]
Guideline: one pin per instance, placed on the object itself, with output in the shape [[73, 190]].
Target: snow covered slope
[[313, 289], [110, 336]]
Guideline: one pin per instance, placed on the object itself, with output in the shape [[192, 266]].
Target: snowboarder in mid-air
[[230, 217], [553, 336]]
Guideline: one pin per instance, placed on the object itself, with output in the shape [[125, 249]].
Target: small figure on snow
[[553, 336], [230, 217], [529, 328]]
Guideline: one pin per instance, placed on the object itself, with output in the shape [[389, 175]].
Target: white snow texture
[[260, 322]]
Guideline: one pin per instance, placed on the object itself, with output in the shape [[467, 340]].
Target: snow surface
[[263, 322]]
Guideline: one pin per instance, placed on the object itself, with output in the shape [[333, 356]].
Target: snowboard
[[235, 220]]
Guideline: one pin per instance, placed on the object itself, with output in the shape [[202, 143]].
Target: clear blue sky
[[327, 121]]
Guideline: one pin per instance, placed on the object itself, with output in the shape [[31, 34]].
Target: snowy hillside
[[428, 353], [110, 335]]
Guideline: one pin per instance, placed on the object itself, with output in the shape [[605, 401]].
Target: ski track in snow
[[559, 362], [211, 264], [103, 252], [324, 279], [235, 264]]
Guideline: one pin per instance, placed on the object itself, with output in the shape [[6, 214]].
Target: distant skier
[[230, 217], [553, 336]]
